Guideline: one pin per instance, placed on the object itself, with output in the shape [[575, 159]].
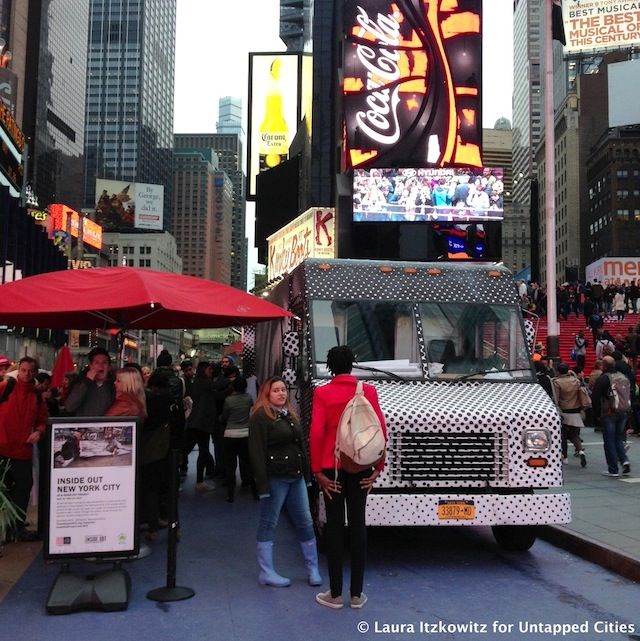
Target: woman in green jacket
[[281, 472]]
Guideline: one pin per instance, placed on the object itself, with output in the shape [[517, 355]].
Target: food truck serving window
[[382, 335], [471, 339], [460, 339]]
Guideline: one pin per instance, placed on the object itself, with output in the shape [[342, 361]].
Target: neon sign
[[412, 80]]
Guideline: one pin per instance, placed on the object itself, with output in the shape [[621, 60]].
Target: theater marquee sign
[[412, 80]]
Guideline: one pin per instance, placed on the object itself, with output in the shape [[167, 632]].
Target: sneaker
[[626, 468], [627, 445], [325, 598], [358, 601], [576, 454], [204, 487], [583, 458], [611, 474], [565, 460]]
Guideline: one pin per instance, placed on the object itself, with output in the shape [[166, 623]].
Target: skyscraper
[[54, 99], [527, 106], [203, 202], [230, 117], [228, 151], [130, 79]]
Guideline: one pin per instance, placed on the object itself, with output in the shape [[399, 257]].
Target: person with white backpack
[[347, 439]]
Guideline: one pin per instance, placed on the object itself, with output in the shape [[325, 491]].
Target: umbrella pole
[[155, 346], [121, 346]]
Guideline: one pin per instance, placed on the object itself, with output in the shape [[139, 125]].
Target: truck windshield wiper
[[366, 368], [484, 372]]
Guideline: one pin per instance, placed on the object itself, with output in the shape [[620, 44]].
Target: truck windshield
[[474, 340], [461, 340], [382, 335]]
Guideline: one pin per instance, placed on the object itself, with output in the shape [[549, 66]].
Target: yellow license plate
[[459, 510]]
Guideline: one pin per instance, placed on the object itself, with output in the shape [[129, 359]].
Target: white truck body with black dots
[[473, 439]]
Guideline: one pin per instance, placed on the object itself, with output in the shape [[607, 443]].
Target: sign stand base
[[166, 594], [106, 591]]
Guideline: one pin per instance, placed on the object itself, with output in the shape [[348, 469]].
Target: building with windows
[[129, 101], [612, 219], [516, 235], [527, 106], [230, 118], [54, 99], [151, 250], [227, 149], [203, 207]]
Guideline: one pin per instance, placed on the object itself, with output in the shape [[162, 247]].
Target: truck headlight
[[536, 440]]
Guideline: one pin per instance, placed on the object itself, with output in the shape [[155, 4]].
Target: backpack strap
[[8, 388]]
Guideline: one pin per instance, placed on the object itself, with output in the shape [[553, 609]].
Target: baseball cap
[[4, 361]]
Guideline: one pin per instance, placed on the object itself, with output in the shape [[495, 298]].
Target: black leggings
[[236, 449], [355, 499], [19, 481], [201, 439]]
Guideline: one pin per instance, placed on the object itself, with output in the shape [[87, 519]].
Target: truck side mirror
[[291, 344]]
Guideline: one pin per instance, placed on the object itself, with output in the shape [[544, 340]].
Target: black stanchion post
[[171, 592]]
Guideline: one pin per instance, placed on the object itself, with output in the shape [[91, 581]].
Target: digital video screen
[[456, 241], [462, 195]]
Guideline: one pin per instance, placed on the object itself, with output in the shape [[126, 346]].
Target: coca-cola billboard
[[412, 83]]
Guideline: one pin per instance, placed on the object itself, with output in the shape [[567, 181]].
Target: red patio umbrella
[[63, 364], [128, 298]]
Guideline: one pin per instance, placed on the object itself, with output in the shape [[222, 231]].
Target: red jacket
[[329, 402], [20, 415]]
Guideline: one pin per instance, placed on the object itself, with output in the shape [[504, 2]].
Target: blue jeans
[[292, 493], [613, 426]]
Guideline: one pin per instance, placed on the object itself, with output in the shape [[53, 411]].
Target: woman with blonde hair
[[281, 472], [130, 396]]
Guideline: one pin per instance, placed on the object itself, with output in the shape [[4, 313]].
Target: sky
[[213, 40]]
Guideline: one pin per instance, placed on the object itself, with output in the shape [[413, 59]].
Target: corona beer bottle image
[[274, 132]]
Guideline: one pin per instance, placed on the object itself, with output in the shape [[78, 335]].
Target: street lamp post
[[550, 187]]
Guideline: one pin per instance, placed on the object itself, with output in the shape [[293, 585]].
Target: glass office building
[[129, 108], [54, 99]]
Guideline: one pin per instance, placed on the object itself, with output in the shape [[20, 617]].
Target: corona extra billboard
[[412, 83], [274, 111]]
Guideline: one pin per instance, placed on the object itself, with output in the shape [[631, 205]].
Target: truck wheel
[[514, 538]]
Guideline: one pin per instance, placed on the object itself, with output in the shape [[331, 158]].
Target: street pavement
[[605, 527]]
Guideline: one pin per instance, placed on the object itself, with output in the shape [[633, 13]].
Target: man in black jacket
[[94, 392], [613, 422]]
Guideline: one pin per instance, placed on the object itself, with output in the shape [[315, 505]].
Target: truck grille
[[450, 457]]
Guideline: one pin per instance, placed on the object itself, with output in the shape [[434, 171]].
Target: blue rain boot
[[268, 576], [310, 553]]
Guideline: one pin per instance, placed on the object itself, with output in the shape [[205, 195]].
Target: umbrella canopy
[[128, 298], [63, 364]]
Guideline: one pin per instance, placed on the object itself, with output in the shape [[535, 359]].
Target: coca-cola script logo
[[412, 83], [380, 121]]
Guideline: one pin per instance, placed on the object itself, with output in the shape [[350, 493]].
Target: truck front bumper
[[466, 509]]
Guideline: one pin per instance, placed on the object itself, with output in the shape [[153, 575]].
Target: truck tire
[[514, 538]]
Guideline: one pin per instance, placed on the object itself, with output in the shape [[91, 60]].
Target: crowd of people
[[609, 301], [427, 194], [231, 419], [608, 398]]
